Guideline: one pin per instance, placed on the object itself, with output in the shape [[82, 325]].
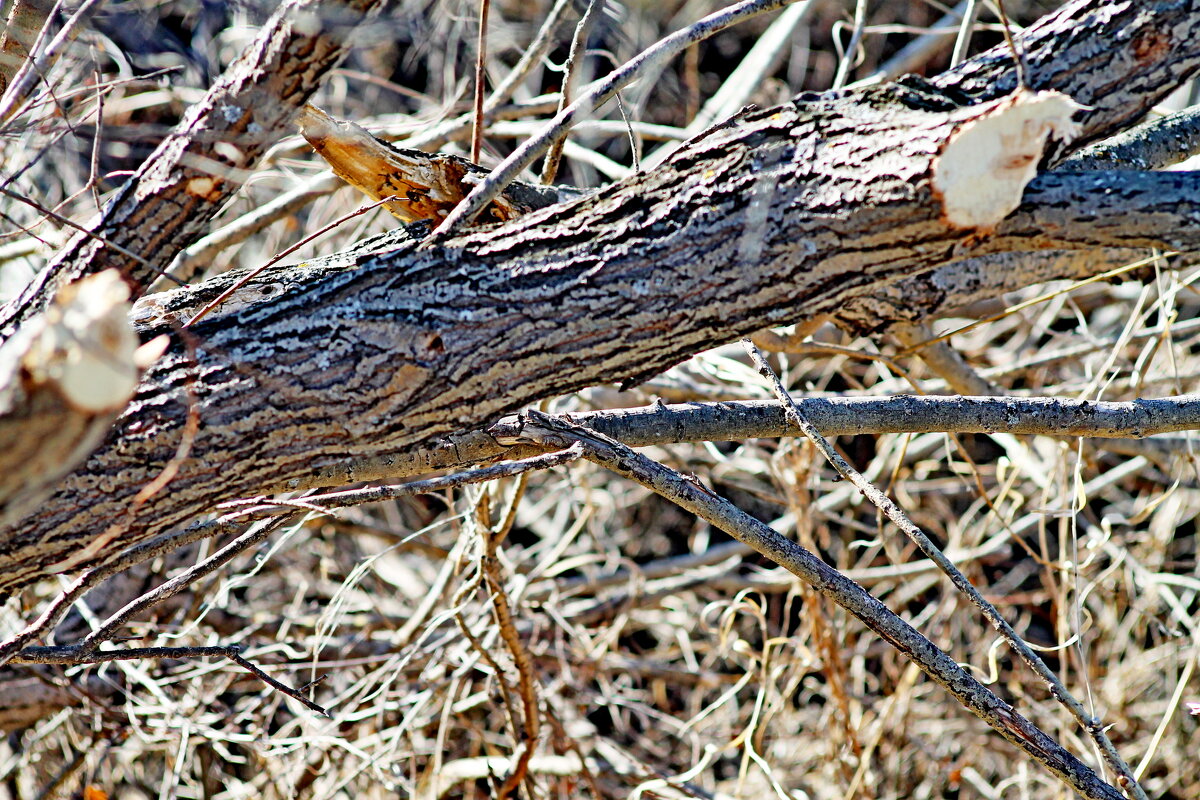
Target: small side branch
[[1155, 145], [843, 416], [75, 654], [893, 512], [691, 495]]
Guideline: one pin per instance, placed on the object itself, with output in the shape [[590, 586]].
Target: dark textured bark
[[778, 215], [1107, 215], [963, 284]]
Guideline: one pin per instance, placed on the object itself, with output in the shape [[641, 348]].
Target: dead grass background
[[667, 661]]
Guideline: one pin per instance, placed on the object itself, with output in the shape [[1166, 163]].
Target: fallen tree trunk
[[774, 216]]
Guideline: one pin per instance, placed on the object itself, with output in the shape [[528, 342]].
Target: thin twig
[[571, 71], [58, 608], [174, 586], [963, 43], [540, 45], [94, 161], [847, 61], [278, 686], [375, 494], [72, 224], [249, 276], [480, 77], [526, 681], [1093, 726], [73, 655], [1018, 58], [460, 598]]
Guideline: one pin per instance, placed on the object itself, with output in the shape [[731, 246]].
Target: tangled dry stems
[[661, 660]]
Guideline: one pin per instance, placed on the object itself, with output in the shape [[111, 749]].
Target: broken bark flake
[[986, 163], [416, 186]]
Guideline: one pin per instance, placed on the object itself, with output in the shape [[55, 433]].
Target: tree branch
[[73, 655], [1092, 726], [1157, 144], [167, 204], [776, 215], [941, 668]]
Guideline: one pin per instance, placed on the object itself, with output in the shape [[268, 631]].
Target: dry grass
[[665, 663]]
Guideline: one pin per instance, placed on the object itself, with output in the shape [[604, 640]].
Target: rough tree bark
[[771, 217]]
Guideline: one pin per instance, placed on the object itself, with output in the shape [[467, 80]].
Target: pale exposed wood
[[63, 379]]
